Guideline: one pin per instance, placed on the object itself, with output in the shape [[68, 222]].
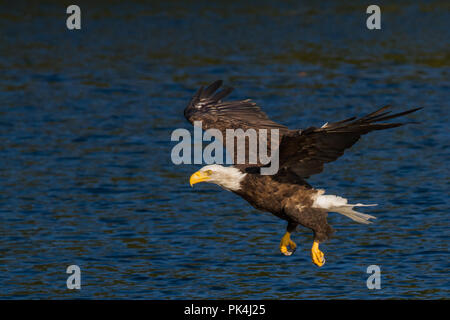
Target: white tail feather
[[354, 215], [338, 204]]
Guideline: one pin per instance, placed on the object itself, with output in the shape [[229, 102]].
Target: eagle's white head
[[227, 177]]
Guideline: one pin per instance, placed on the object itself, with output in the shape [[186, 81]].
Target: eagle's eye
[[208, 172]]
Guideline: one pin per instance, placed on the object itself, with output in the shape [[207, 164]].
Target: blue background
[[86, 176]]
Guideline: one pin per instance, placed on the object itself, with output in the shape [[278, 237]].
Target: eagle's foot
[[317, 255], [287, 242]]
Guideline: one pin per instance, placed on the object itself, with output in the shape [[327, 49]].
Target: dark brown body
[[289, 201]]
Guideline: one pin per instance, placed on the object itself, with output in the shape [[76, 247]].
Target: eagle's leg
[[286, 240], [316, 220], [317, 255], [322, 232]]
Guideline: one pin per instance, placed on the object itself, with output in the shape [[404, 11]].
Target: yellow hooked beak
[[199, 176]]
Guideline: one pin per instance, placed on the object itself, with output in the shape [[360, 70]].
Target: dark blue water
[[86, 176]]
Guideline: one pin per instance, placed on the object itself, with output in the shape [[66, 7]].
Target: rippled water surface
[[86, 176]]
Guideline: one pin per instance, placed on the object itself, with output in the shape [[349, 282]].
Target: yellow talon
[[317, 255], [287, 242]]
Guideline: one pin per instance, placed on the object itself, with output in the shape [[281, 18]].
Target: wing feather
[[302, 153], [207, 106]]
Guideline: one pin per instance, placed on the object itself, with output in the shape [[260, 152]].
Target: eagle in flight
[[302, 153]]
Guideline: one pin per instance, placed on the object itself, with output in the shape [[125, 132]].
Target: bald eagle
[[302, 153]]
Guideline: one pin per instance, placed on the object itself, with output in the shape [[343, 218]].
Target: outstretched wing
[[207, 106], [304, 153]]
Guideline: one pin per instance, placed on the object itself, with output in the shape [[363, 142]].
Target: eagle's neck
[[231, 179]]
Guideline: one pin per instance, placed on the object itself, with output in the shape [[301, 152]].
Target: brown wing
[[304, 153], [207, 106]]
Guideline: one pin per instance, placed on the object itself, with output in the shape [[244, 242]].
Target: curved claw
[[287, 252], [287, 242], [317, 256]]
